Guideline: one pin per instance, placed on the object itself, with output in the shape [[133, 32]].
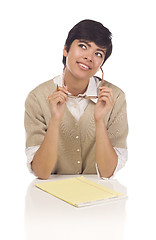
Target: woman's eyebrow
[[83, 41], [89, 45], [99, 49]]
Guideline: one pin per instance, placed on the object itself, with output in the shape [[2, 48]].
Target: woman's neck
[[75, 86]]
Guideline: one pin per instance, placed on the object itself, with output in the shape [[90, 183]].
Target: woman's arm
[[46, 156], [106, 157]]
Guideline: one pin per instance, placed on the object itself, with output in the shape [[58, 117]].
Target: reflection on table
[[47, 217]]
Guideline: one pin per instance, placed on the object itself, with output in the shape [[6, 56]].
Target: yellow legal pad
[[79, 191]]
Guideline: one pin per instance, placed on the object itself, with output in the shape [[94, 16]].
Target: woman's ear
[[65, 53]]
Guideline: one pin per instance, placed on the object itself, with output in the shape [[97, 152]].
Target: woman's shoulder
[[46, 87], [116, 90], [41, 92]]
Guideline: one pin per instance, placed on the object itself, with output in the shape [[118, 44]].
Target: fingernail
[[58, 88]]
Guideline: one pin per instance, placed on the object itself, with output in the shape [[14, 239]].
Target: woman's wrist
[[100, 122], [54, 122]]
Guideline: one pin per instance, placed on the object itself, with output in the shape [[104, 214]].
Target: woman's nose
[[88, 57]]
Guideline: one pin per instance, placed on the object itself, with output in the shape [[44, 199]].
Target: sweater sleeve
[[34, 121], [118, 125]]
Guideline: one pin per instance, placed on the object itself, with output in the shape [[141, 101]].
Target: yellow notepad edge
[[84, 180]]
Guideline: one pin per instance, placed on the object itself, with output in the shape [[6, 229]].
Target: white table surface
[[47, 217]]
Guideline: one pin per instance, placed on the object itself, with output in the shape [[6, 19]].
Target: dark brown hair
[[92, 31]]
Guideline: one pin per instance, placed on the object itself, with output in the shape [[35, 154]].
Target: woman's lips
[[84, 66]]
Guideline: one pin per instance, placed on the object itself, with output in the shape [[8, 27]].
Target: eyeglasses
[[83, 96]]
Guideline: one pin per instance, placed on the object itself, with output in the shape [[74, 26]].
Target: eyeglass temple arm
[[102, 80]]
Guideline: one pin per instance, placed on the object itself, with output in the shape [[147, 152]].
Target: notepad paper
[[79, 191]]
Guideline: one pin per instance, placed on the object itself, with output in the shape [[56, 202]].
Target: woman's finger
[[106, 95], [58, 94]]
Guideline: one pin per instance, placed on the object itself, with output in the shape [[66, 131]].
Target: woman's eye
[[82, 46], [99, 54]]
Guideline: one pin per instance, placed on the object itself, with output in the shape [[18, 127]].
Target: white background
[[33, 34]]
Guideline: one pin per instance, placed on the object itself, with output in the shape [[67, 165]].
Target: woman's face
[[84, 59]]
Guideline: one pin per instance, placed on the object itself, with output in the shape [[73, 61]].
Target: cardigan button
[[77, 137], [78, 150]]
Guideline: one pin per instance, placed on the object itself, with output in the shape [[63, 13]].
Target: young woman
[[76, 123]]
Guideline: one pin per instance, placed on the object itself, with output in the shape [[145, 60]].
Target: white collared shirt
[[77, 107]]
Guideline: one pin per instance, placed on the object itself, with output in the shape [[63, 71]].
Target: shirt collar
[[92, 88]]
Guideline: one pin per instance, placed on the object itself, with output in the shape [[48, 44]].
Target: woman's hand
[[104, 104], [57, 102]]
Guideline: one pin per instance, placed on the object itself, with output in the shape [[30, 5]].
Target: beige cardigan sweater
[[76, 147]]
